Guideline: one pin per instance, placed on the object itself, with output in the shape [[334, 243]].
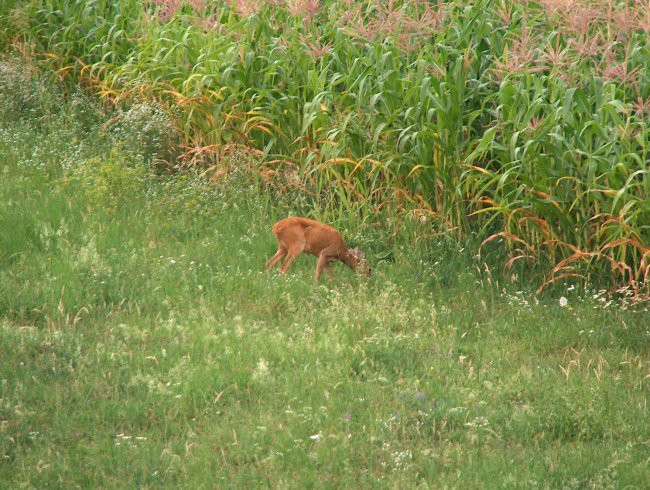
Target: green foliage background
[[519, 121]]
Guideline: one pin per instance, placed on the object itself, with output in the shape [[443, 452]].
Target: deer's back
[[317, 236]]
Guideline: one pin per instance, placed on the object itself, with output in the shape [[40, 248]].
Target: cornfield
[[525, 122]]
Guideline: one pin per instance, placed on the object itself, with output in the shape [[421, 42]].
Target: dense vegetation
[[524, 123], [142, 346]]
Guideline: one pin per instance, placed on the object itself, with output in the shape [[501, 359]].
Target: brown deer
[[297, 235]]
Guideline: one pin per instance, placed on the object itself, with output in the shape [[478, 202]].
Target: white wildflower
[[262, 371]]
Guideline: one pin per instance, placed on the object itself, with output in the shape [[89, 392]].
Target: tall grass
[[523, 121]]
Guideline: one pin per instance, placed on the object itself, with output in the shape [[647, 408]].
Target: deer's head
[[361, 264]]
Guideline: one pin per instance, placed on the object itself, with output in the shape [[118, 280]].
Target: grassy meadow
[[141, 345], [491, 158]]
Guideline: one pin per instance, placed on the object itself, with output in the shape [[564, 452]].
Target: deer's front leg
[[323, 264], [328, 270]]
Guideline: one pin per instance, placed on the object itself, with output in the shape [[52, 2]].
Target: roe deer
[[297, 235]]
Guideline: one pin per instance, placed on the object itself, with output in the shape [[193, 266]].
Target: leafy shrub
[[84, 110], [23, 95], [106, 181], [146, 129]]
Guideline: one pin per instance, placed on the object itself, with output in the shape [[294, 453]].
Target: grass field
[[142, 345]]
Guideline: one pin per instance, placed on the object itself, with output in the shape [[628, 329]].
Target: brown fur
[[298, 235]]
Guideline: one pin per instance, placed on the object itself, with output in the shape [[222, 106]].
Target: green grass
[[142, 345]]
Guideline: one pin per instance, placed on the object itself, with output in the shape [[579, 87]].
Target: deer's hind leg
[[293, 241], [276, 258], [292, 254], [295, 244]]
